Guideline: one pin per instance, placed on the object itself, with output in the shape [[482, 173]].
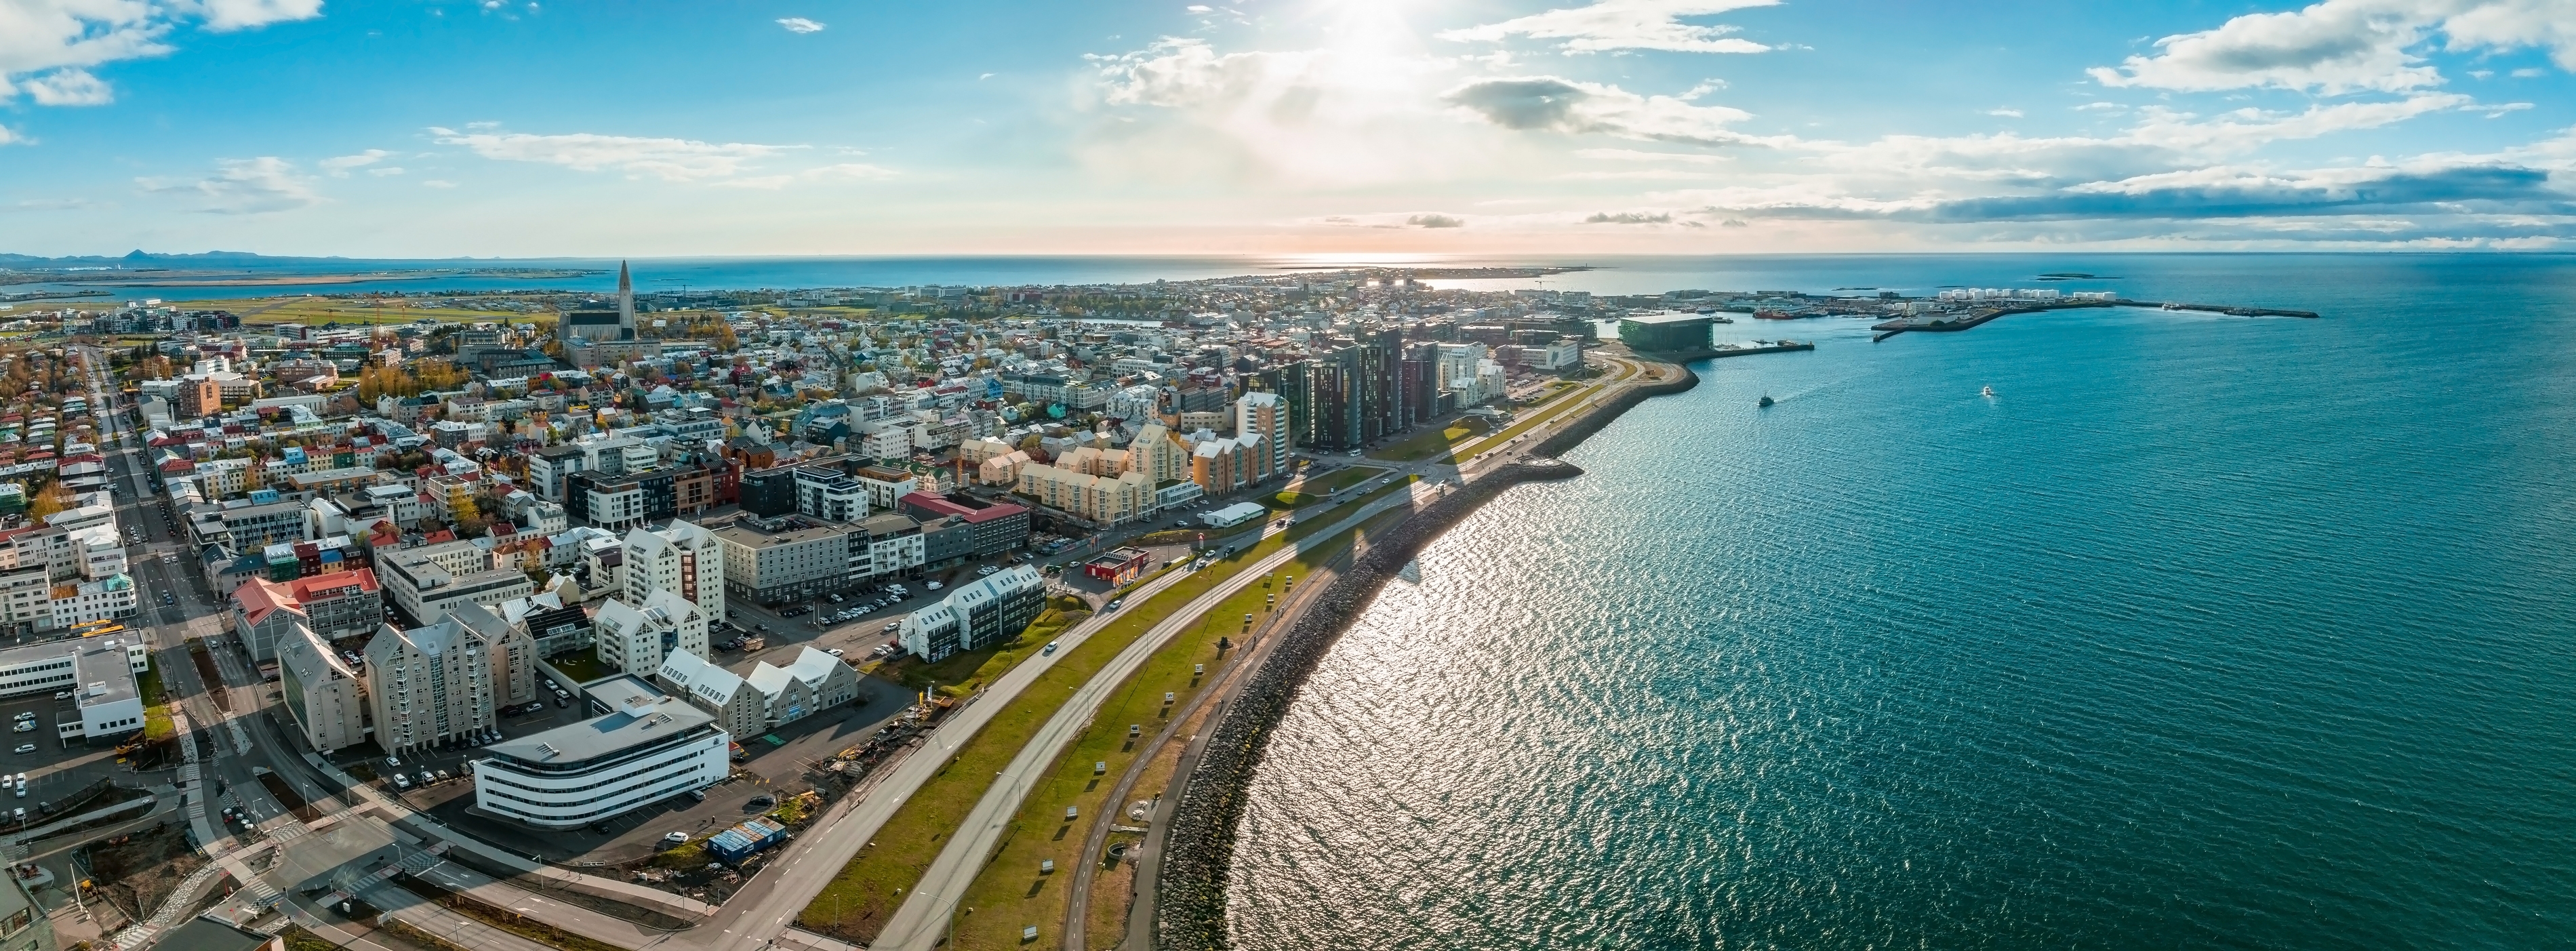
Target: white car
[[986, 570], [836, 652], [676, 838], [934, 586]]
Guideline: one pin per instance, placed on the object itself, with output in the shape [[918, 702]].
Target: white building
[[681, 558], [636, 639], [100, 673], [976, 614], [737, 708], [1265, 415], [644, 746]]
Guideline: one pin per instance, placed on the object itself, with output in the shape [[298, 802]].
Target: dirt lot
[[139, 873]]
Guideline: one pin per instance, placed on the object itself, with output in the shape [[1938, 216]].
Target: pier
[[1734, 350]]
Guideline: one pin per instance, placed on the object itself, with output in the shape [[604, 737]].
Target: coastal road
[[919, 924], [767, 907]]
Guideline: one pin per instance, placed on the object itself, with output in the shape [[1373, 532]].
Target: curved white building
[[648, 746]]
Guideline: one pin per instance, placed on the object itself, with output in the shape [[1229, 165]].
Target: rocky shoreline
[[1198, 848]]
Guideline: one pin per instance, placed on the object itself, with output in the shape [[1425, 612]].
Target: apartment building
[[324, 697], [680, 558], [977, 613], [440, 683], [638, 638]]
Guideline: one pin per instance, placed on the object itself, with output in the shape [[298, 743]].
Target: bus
[[103, 631]]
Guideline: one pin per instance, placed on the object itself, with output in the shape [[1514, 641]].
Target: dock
[[1730, 350], [1974, 319]]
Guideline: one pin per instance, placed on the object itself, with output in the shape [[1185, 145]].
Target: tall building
[[428, 685], [324, 697], [680, 558], [1265, 415]]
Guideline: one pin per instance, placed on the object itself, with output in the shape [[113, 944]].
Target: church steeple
[[625, 302]]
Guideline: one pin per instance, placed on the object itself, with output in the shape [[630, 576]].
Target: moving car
[[1050, 648]]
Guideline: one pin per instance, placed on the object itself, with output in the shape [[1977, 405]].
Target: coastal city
[[540, 619]]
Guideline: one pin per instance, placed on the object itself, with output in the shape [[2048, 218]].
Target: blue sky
[[1280, 126]]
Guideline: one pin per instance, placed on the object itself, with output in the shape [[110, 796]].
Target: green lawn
[[581, 666], [1011, 893], [961, 673], [1340, 480], [858, 901], [157, 725]]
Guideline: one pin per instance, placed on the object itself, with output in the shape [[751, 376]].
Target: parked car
[[676, 838], [836, 652], [986, 570], [933, 585]]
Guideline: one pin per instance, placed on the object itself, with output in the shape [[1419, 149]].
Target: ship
[[1766, 401], [1988, 391]]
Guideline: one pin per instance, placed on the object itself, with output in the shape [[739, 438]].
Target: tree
[[55, 497]]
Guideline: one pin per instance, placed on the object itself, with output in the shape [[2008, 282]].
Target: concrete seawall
[[1190, 903]]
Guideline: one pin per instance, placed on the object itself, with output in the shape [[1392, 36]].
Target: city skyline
[[294, 127]]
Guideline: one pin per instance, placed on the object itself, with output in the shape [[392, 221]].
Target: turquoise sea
[[2200, 632]]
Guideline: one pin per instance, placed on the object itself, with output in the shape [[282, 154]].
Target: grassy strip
[[1523, 426], [858, 901], [298, 939], [421, 937], [1011, 892], [503, 919], [157, 725]]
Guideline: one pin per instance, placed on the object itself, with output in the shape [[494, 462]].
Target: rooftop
[[638, 715]]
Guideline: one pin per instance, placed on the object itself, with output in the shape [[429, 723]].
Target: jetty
[[1716, 351], [1975, 318], [2228, 309]]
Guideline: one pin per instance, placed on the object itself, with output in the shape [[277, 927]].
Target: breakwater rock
[[1189, 907]]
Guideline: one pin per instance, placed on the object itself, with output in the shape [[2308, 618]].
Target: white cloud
[[1553, 104], [68, 87], [2530, 72], [1633, 155], [2006, 113], [846, 171], [46, 45], [1436, 221], [1199, 8], [243, 186], [800, 25], [385, 172], [10, 136], [2342, 46], [1344, 115], [436, 183], [224, 15], [671, 160], [339, 167], [1624, 25]]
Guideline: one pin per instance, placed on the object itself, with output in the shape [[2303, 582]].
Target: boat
[[1988, 391], [1766, 401]]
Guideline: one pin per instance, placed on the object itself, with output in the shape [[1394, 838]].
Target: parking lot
[[453, 759], [55, 767], [814, 626]]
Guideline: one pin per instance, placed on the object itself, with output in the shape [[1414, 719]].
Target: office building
[[333, 606], [644, 746], [100, 673], [424, 583]]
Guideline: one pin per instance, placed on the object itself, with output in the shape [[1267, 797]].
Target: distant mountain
[[204, 259]]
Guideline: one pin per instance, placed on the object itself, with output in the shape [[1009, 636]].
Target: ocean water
[[2200, 632]]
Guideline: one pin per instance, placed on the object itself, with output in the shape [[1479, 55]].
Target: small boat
[[1766, 401], [1988, 391]]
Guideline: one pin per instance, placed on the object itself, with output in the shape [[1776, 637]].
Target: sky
[[512, 128]]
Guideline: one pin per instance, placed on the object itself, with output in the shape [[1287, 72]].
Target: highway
[[919, 923]]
